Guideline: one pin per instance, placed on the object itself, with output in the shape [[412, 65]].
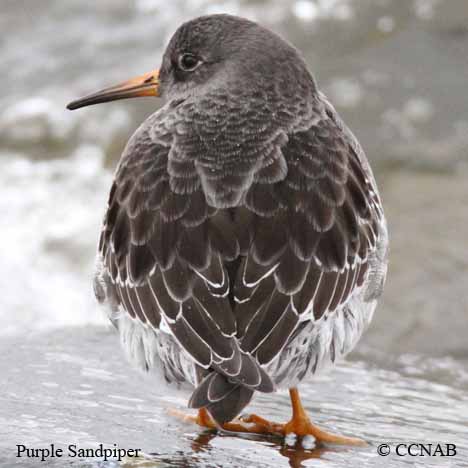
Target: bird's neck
[[225, 140]]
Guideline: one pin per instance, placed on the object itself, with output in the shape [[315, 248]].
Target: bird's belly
[[321, 343], [156, 351]]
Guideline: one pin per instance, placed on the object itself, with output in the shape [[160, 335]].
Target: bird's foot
[[253, 424], [300, 426], [203, 418], [304, 427]]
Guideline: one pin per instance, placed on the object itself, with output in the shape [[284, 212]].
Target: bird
[[244, 245]]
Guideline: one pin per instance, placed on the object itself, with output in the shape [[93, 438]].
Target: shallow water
[[395, 70]]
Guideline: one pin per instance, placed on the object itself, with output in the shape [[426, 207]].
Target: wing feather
[[164, 251], [309, 249], [235, 284]]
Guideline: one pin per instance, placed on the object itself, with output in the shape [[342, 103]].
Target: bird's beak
[[144, 85]]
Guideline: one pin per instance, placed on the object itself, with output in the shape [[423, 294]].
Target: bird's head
[[216, 52]]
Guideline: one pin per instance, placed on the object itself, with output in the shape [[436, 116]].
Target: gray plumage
[[244, 242]]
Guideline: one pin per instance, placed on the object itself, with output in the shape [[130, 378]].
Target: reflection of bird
[[244, 244]]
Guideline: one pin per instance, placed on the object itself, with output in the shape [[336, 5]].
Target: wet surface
[[396, 72], [73, 387]]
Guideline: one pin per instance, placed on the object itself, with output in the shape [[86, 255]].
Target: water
[[397, 73], [73, 388]]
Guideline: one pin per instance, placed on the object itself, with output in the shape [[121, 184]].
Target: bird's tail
[[225, 398]]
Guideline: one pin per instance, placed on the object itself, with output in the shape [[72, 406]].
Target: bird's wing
[[311, 237], [162, 251]]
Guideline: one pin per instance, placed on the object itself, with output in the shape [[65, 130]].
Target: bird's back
[[246, 272]]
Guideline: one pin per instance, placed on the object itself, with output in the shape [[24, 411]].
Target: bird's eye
[[188, 62]]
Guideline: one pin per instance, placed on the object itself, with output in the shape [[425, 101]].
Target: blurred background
[[395, 70]]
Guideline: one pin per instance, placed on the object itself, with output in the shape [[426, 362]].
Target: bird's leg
[[203, 418], [300, 424], [255, 424]]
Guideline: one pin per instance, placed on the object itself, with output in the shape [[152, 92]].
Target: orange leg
[[203, 418], [254, 424], [300, 424]]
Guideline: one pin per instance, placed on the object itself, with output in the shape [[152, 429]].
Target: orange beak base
[[144, 85]]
